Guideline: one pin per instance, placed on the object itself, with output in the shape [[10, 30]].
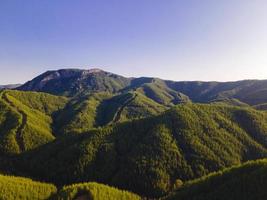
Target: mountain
[[10, 86], [246, 182], [80, 129], [70, 82]]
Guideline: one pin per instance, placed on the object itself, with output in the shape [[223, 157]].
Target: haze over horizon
[[178, 40]]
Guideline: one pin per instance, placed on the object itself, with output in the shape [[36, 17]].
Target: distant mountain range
[[71, 82], [156, 138], [10, 86]]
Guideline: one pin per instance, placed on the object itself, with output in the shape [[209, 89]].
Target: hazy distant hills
[[145, 135], [71, 82], [10, 86]]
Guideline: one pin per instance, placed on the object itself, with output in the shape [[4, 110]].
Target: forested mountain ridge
[[148, 156], [31, 119], [71, 82]]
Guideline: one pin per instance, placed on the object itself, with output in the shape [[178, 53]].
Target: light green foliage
[[161, 93], [246, 182], [128, 106], [25, 120], [94, 191], [36, 126], [9, 122], [80, 114], [42, 102], [84, 113], [15, 188], [139, 107]]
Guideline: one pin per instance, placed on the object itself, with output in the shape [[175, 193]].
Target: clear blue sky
[[174, 39]]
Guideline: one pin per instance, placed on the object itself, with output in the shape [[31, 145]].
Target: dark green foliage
[[119, 131], [246, 182], [147, 156]]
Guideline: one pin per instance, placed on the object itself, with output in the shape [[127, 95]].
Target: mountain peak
[[73, 81], [72, 72]]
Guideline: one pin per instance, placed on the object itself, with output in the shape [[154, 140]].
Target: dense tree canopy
[[144, 135]]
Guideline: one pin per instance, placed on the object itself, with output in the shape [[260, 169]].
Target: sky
[[222, 40]]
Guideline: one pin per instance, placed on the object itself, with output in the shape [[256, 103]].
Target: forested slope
[[25, 120], [149, 155], [246, 182], [84, 113], [30, 119], [94, 191], [72, 82], [14, 188], [144, 135]]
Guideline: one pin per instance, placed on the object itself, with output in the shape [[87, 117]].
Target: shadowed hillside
[[246, 182], [13, 188]]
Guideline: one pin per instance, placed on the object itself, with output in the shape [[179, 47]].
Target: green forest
[[103, 136]]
